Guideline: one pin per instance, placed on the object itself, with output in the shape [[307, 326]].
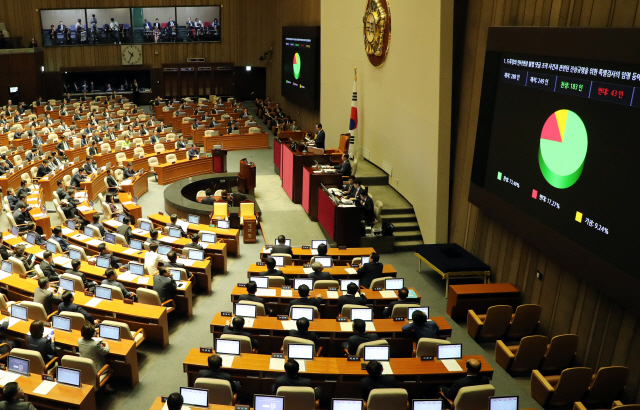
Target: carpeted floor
[[161, 370]]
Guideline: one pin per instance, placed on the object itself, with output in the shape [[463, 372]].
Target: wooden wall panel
[[249, 28], [609, 335]]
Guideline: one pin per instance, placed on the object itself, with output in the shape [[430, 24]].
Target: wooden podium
[[249, 231], [247, 177], [219, 160]]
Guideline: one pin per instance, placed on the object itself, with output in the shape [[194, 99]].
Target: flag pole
[[353, 117]]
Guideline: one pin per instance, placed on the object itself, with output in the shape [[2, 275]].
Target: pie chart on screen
[[296, 66], [563, 148]]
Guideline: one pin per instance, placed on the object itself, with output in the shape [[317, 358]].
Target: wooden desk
[[138, 186], [480, 297], [343, 256], [60, 397], [291, 170], [159, 405], [340, 224], [49, 184], [230, 236], [13, 180], [122, 356], [183, 168], [270, 333], [95, 185], [35, 200], [279, 303], [126, 200], [234, 142], [311, 180], [338, 272], [337, 376]]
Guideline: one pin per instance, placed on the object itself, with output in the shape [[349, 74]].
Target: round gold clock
[[377, 31], [131, 54]]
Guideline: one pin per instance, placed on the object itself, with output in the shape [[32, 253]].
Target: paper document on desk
[[302, 364], [81, 237], [346, 326], [126, 182], [266, 292], [386, 368], [314, 252], [452, 365], [168, 239], [317, 172], [274, 364], [8, 378], [370, 327], [13, 321], [307, 271], [388, 294], [44, 387], [248, 321], [181, 408], [94, 242], [7, 237], [128, 276], [127, 203], [84, 208], [2, 374], [93, 302], [40, 254], [143, 280], [289, 325], [265, 250], [130, 251], [227, 360], [61, 260], [39, 215], [139, 231], [4, 274], [351, 271], [286, 293], [183, 224], [186, 262], [332, 294], [114, 224], [80, 195]]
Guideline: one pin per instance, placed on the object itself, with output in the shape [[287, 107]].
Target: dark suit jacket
[[46, 297], [193, 245], [87, 283], [368, 272], [304, 301], [62, 194], [76, 179], [258, 299], [367, 211], [72, 307], [125, 230], [319, 276], [208, 373], [285, 380], [429, 329], [42, 171], [452, 391], [42, 346], [166, 287], [351, 300], [207, 201], [320, 139], [230, 331], [21, 217], [357, 339], [305, 335], [178, 265], [100, 228], [4, 252], [344, 169], [389, 309], [276, 272], [48, 271], [282, 249], [369, 383]]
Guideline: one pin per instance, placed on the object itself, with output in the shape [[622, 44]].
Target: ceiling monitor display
[[556, 144], [301, 64]]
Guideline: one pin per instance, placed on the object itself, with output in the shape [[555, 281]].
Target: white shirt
[[151, 260], [114, 25]]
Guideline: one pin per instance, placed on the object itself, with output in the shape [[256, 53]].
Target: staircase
[[405, 228]]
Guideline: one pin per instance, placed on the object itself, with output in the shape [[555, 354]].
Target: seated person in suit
[[473, 378], [111, 280], [292, 378], [213, 372], [125, 229], [153, 237], [75, 270], [97, 224], [78, 177], [303, 331], [304, 299], [272, 271], [421, 326], [57, 236], [95, 350], [322, 250], [18, 253], [194, 242], [403, 294], [4, 251], [42, 345], [13, 398], [43, 169], [103, 251], [376, 380], [207, 200], [317, 273], [252, 288], [46, 266], [173, 257], [370, 271], [164, 284], [280, 247], [128, 172], [174, 218], [12, 198], [31, 227], [194, 152], [181, 144], [21, 215], [236, 328], [345, 168], [67, 305], [350, 298], [359, 336]]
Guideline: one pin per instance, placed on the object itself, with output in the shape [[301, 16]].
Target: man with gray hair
[[318, 273]]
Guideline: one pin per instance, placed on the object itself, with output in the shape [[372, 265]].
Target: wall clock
[[377, 31], [131, 54]]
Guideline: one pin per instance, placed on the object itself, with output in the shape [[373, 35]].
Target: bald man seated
[[473, 378]]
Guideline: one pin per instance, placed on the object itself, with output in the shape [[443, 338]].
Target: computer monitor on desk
[[61, 323], [103, 292], [424, 309], [316, 243], [394, 284], [224, 346], [145, 226], [68, 376], [195, 397], [345, 282], [164, 249], [103, 262], [19, 312], [365, 259], [261, 281], [75, 254], [261, 402], [196, 254], [136, 244], [325, 261], [222, 224], [298, 312], [503, 403], [279, 260], [208, 237], [347, 404], [299, 282], [18, 365], [452, 351], [110, 332], [300, 351], [109, 238], [175, 232], [287, 242], [194, 219], [379, 353], [136, 268], [365, 314], [243, 310], [66, 284], [420, 404], [7, 266]]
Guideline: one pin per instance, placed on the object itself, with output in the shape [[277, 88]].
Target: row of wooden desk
[[337, 376], [342, 256], [183, 168], [233, 142], [270, 332]]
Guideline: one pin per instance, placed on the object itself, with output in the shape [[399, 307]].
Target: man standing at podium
[[319, 136]]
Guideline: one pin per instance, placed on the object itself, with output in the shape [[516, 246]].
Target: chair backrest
[[148, 297], [525, 321], [530, 353], [106, 210], [18, 267], [58, 248], [377, 210], [3, 302], [360, 351], [385, 399], [121, 157], [67, 180], [326, 284], [125, 330], [171, 136], [119, 174], [474, 397], [139, 150], [36, 364], [201, 194], [572, 385], [260, 311], [35, 310], [316, 312], [297, 397], [17, 160], [402, 309], [78, 286], [496, 323], [158, 148], [429, 347], [120, 239], [346, 309], [220, 208], [343, 144], [247, 208], [378, 282], [77, 319], [86, 367], [105, 147], [560, 353], [116, 292], [137, 141], [608, 385], [60, 214], [288, 260], [296, 341], [276, 281], [171, 158], [245, 342], [219, 390], [34, 172]]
